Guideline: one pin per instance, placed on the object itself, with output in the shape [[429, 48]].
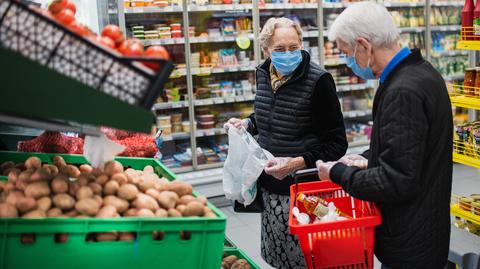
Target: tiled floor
[[244, 229]]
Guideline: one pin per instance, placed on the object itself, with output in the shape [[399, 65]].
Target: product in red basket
[[317, 206]]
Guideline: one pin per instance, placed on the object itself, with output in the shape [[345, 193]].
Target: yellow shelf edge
[[466, 160], [466, 102], [456, 211], [468, 45]]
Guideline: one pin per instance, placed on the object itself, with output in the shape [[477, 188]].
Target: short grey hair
[[273, 23], [368, 20]]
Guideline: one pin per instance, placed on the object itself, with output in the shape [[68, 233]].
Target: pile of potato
[[61, 190], [233, 262]]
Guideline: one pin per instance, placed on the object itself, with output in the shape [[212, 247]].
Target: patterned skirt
[[280, 249]]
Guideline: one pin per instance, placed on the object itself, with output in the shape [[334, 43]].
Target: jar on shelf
[[476, 91]]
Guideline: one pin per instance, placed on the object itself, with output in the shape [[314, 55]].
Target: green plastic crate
[[241, 255], [202, 250]]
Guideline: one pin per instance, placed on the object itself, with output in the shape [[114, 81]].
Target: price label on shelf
[[218, 100], [203, 39], [229, 99], [208, 101]]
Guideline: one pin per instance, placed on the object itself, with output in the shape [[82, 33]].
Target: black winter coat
[[409, 172], [302, 118]]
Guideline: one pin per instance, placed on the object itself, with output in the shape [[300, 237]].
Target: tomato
[[131, 47], [113, 32], [78, 28], [71, 6], [57, 5], [65, 16], [106, 41], [156, 52]]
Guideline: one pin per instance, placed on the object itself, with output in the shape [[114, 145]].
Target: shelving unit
[[313, 16]]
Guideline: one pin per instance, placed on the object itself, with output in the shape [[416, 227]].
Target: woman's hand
[[237, 123], [355, 160], [281, 167]]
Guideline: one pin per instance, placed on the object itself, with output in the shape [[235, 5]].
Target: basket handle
[[299, 174]]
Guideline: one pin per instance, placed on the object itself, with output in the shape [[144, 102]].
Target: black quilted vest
[[284, 120]]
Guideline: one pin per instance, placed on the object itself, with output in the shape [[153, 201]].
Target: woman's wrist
[[299, 163]]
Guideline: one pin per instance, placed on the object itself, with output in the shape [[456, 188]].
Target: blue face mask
[[365, 73], [286, 62]]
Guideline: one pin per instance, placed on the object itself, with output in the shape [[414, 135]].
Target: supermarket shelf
[[468, 45], [289, 6], [454, 77], [205, 71], [178, 170], [141, 10], [335, 5], [356, 114], [193, 40], [404, 4], [447, 4], [210, 165], [466, 160], [199, 133], [8, 129], [334, 61], [439, 28], [205, 102], [358, 144], [458, 208], [353, 87], [462, 96], [311, 33], [450, 53], [233, 7]]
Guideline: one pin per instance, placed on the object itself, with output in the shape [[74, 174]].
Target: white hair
[[368, 20], [273, 23]]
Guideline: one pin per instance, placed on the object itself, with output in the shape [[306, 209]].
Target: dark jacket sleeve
[[403, 130], [329, 125], [252, 125]]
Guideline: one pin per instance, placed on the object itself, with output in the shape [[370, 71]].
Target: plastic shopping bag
[[244, 164], [99, 149]]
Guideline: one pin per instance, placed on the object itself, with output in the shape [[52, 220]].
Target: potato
[[26, 204], [230, 260], [106, 236], [84, 179], [96, 188], [83, 217], [20, 185], [174, 213], [210, 215], [160, 186], [132, 212], [54, 212], [63, 201], [70, 170], [84, 192], [161, 213], [27, 238], [72, 213], [224, 265], [181, 208], [37, 189], [51, 168], [153, 193], [128, 192], [13, 175], [25, 175], [202, 199], [168, 199], [86, 168], [145, 213], [35, 214], [241, 264], [186, 199], [148, 169], [111, 187], [145, 184], [126, 236], [121, 178], [5, 166], [107, 211], [120, 204], [113, 167], [99, 200], [145, 201], [206, 210], [58, 161], [33, 163], [59, 184], [73, 187], [14, 196], [181, 188], [194, 209], [87, 206], [102, 179], [44, 203], [8, 211]]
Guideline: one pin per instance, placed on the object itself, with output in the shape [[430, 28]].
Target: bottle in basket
[[317, 206]]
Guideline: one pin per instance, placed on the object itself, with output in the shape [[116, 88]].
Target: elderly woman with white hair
[[408, 170], [298, 119]]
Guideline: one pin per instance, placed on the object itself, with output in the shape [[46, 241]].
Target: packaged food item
[[177, 118], [315, 205], [206, 118], [469, 79], [186, 126], [465, 204], [177, 128], [126, 3], [163, 120], [137, 3], [167, 129], [207, 125]]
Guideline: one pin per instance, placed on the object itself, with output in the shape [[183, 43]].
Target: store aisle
[[244, 229]]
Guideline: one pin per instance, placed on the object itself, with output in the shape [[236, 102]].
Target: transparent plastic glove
[[280, 167], [355, 160], [99, 150], [324, 169], [237, 123], [302, 218]]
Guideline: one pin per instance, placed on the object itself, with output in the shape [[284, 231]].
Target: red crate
[[336, 244]]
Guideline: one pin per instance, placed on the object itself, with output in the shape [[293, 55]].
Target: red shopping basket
[[336, 244]]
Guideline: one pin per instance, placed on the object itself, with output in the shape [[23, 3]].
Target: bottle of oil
[[317, 206]]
